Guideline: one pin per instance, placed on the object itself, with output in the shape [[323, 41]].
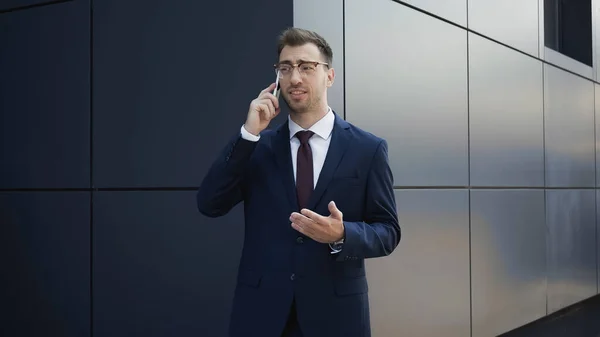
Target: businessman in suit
[[318, 200]]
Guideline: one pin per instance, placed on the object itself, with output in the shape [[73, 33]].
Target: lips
[[297, 93]]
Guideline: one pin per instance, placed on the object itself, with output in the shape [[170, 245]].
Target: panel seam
[[469, 177], [91, 79], [22, 8], [595, 46], [344, 57], [546, 227], [195, 188]]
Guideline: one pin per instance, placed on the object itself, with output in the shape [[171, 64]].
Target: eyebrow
[[290, 62]]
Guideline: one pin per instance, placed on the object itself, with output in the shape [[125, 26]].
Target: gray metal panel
[[596, 37], [451, 10], [422, 289], [328, 21], [506, 116], [569, 129], [490, 18], [508, 259], [410, 89], [597, 130], [571, 221]]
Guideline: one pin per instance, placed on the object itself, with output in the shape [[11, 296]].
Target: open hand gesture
[[320, 228]]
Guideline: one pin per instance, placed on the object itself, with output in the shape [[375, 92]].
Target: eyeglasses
[[305, 68]]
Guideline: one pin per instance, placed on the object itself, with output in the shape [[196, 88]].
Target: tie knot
[[304, 136]]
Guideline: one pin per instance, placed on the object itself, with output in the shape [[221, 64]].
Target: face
[[303, 89]]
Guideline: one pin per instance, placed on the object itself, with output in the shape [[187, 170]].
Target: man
[[318, 200]]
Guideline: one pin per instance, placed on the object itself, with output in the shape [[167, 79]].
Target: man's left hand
[[320, 228]]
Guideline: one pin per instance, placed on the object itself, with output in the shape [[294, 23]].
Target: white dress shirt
[[319, 144]]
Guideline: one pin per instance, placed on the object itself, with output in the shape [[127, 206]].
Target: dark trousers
[[292, 328]]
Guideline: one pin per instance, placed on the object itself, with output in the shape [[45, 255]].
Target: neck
[[308, 118]]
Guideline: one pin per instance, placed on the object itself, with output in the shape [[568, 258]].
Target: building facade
[[112, 111]]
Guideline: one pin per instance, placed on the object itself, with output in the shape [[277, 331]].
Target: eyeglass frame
[[296, 65]]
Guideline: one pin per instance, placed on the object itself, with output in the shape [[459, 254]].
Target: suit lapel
[[340, 138], [283, 156]]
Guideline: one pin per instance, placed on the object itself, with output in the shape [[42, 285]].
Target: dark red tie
[[304, 169]]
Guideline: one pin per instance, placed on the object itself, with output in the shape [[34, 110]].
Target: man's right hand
[[262, 110]]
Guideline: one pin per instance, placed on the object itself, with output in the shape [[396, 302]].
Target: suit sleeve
[[379, 233], [221, 189]]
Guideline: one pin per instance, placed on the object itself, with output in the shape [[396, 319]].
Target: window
[[568, 28]]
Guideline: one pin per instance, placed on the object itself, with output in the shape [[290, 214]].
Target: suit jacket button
[[293, 277], [299, 239]]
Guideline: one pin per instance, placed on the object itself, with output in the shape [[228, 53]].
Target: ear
[[330, 77]]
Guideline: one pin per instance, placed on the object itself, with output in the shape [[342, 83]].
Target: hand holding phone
[[263, 108]]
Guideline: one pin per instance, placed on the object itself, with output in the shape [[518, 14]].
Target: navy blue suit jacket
[[278, 264]]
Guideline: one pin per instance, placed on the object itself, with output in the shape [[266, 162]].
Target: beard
[[299, 106]]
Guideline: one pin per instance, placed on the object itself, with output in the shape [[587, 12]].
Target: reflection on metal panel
[[571, 247], [422, 289], [490, 18], [406, 80], [451, 10], [569, 129], [328, 22], [506, 116], [597, 126], [508, 259]]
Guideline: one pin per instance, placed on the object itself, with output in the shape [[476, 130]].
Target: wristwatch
[[337, 245]]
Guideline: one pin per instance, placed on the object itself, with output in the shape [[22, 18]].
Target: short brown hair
[[294, 37]]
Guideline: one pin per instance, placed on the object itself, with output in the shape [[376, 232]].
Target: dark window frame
[[568, 29]]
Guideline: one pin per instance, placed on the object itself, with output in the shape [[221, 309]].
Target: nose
[[295, 77]]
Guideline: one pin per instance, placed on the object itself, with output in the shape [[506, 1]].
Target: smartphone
[[277, 88]]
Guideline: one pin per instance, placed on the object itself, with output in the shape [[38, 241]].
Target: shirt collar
[[322, 128]]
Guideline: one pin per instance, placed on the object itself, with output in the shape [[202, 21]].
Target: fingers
[[267, 89], [313, 216], [269, 97], [304, 230], [267, 112], [301, 219], [335, 212], [271, 108], [274, 100], [304, 225], [268, 94], [271, 103]]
